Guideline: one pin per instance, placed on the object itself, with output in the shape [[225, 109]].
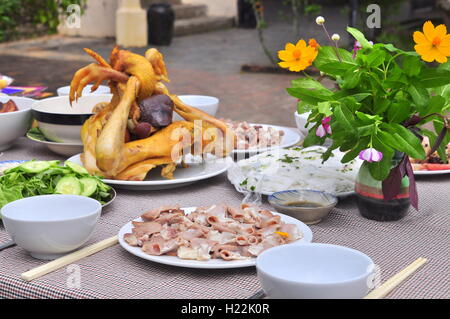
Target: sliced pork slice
[[154, 213], [131, 239]]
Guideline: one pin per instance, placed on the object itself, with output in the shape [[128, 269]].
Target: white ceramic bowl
[[207, 104], [49, 226], [62, 123], [314, 271], [14, 124], [300, 120], [102, 89]]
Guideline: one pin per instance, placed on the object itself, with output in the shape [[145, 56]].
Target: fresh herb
[[35, 178], [288, 159], [252, 188], [244, 182]]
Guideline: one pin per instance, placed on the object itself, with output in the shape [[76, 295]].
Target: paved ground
[[206, 64]]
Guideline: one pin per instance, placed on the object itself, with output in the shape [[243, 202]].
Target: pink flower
[[371, 155], [321, 131], [326, 124], [357, 46], [325, 128]]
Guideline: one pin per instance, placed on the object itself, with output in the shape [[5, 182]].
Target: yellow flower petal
[[444, 49], [285, 65], [441, 58], [428, 30], [440, 31], [423, 48], [445, 40], [289, 47], [285, 55], [419, 37], [301, 44]]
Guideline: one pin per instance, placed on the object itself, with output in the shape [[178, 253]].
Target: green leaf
[[362, 144], [312, 138], [399, 111], [344, 118], [308, 83], [381, 105], [412, 65], [327, 54], [303, 107], [435, 105], [336, 68], [402, 139], [375, 58], [359, 36], [310, 96], [430, 78], [324, 108], [381, 170], [351, 78], [419, 94]]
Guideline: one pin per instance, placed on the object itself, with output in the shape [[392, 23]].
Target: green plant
[[44, 14], [383, 97]]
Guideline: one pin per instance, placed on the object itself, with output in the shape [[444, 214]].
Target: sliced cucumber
[[76, 168], [89, 186], [54, 163], [69, 185], [35, 166]]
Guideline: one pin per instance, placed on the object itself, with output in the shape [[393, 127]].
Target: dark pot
[[160, 20], [370, 198], [246, 16]]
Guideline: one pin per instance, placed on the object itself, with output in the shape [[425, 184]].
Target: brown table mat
[[114, 273]]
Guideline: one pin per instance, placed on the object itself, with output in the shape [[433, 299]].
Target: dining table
[[115, 273]]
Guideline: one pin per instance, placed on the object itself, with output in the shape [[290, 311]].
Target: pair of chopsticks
[[395, 280], [69, 259]]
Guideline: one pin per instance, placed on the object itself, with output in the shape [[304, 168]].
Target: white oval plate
[[212, 263], [65, 149], [182, 176], [444, 171], [290, 138]]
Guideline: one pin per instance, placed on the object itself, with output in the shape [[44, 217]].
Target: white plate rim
[[266, 149], [76, 159], [208, 264], [52, 143], [439, 172]]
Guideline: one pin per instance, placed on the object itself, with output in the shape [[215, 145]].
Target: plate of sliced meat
[[214, 237], [254, 138]]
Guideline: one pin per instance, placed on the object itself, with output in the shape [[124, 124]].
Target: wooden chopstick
[[68, 259], [395, 280]]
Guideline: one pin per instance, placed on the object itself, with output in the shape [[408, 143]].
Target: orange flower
[[313, 43], [298, 57], [433, 43]]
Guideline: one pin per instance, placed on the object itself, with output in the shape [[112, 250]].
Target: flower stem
[[334, 44]]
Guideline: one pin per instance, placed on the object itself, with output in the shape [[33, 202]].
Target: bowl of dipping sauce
[[308, 206], [314, 271], [50, 226]]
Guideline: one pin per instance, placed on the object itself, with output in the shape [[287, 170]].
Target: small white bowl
[[207, 104], [14, 124], [300, 120], [102, 89], [314, 271], [50, 226], [60, 122]]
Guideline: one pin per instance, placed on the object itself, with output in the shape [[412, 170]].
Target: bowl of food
[[308, 206], [102, 89], [50, 226], [207, 104], [314, 271], [61, 122], [15, 119]]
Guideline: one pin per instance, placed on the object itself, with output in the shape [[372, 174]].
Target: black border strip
[[62, 119]]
